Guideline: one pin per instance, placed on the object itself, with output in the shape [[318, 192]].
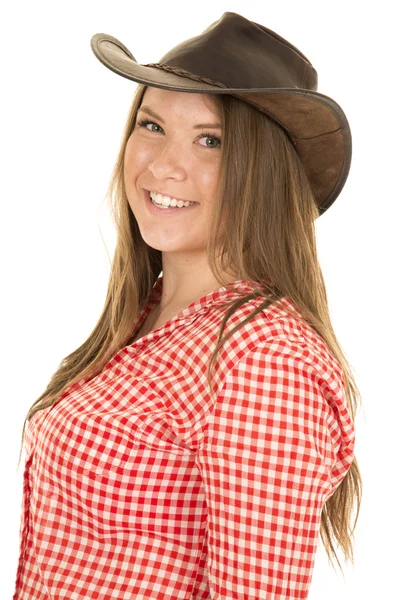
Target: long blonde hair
[[267, 236]]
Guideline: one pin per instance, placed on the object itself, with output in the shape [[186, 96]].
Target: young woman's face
[[172, 155]]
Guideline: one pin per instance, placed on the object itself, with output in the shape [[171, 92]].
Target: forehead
[[179, 101]]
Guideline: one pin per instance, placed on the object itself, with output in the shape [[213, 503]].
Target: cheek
[[136, 154], [208, 178]]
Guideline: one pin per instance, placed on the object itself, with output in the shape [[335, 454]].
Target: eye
[[145, 122], [212, 137]]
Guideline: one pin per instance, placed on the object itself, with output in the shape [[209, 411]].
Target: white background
[[62, 115]]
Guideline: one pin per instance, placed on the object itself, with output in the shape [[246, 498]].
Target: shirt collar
[[218, 296]]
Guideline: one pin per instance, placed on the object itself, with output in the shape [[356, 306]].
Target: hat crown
[[242, 54]]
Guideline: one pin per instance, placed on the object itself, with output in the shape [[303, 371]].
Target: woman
[[197, 443]]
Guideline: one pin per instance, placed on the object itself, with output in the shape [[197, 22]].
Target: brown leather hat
[[242, 58]]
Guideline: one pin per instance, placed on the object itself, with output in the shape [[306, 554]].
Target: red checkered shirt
[[138, 486]]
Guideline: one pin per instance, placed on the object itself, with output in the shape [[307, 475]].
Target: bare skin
[[171, 155], [154, 320]]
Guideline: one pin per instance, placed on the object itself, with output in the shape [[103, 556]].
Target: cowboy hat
[[245, 59]]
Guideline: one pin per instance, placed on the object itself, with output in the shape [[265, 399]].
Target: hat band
[[183, 73]]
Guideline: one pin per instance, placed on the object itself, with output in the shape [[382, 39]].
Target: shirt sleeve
[[278, 442]]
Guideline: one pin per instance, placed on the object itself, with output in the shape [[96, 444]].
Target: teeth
[[167, 201]]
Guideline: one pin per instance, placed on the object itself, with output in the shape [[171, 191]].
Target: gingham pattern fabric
[[138, 486]]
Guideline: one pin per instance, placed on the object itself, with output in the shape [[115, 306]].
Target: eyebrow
[[198, 126]]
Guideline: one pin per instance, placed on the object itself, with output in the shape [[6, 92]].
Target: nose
[[168, 162]]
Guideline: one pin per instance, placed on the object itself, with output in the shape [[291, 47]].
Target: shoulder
[[278, 329]]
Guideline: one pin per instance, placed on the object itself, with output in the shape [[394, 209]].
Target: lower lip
[[166, 212]]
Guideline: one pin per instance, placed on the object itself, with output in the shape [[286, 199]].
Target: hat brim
[[116, 57], [316, 124]]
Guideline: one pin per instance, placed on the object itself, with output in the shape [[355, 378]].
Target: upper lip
[[170, 195]]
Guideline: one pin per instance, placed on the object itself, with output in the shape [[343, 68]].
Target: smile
[[160, 210], [168, 201]]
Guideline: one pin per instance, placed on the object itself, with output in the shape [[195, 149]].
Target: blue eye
[[145, 122], [206, 134], [213, 137]]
